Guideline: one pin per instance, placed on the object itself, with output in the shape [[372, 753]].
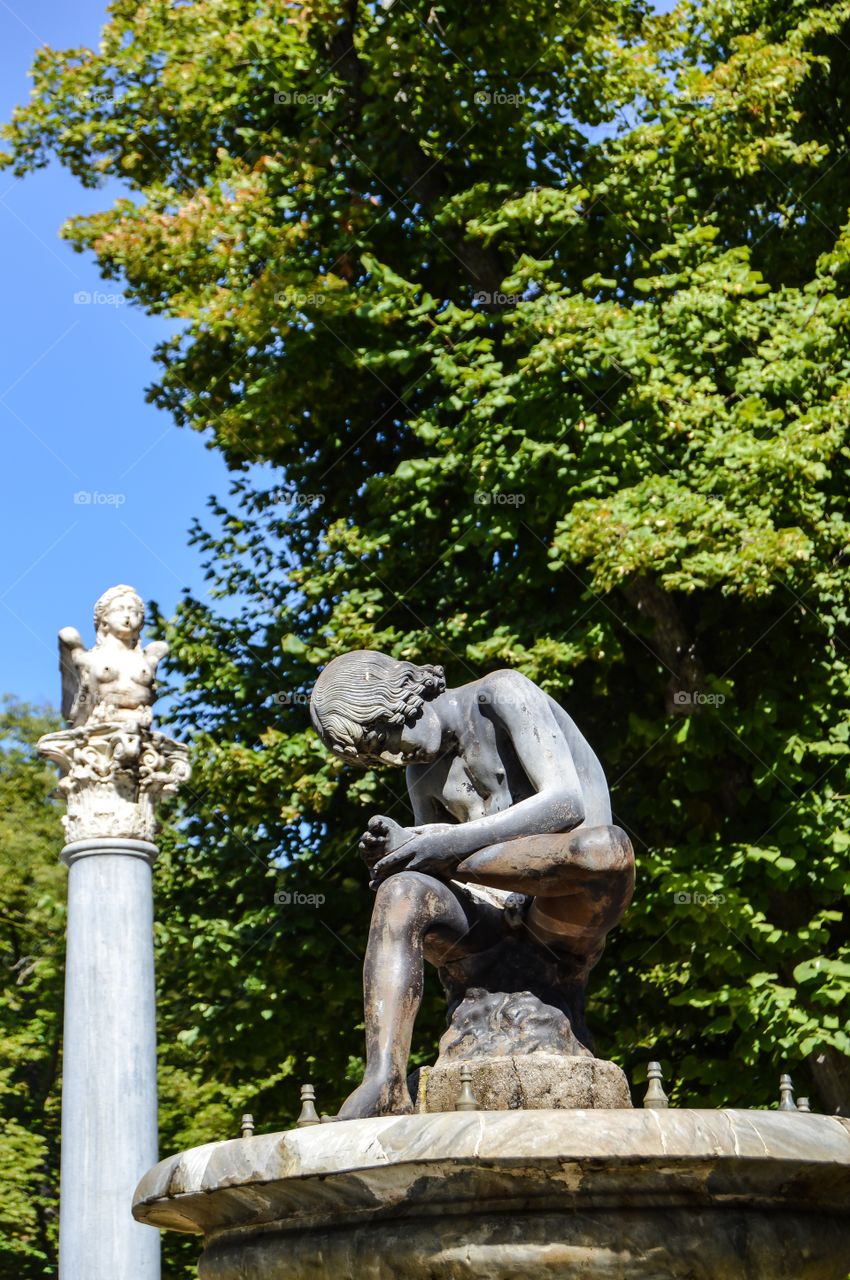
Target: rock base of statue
[[531, 1082], [603, 1194], [521, 1053], [492, 1024]]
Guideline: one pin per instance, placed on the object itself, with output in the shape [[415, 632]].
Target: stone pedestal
[[596, 1195], [531, 1082], [109, 1102]]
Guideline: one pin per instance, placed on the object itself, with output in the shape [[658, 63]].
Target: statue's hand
[[428, 850], [382, 836]]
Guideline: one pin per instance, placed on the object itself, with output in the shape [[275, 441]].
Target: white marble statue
[[114, 682], [114, 765]]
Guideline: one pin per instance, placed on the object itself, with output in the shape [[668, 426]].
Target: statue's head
[[364, 707], [121, 612]]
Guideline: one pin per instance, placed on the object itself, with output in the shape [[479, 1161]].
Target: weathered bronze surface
[[511, 876]]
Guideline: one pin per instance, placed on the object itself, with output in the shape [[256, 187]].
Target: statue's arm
[[384, 836], [524, 713], [426, 807], [155, 652], [71, 643]]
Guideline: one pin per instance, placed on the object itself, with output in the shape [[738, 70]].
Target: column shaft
[[109, 1099]]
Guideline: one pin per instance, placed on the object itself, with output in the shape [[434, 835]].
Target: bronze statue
[[511, 876]]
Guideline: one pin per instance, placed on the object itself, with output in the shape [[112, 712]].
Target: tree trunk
[[831, 1074]]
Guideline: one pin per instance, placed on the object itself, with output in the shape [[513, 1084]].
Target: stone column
[[109, 1104], [114, 768]]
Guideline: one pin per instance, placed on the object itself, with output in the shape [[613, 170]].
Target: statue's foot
[[377, 1097]]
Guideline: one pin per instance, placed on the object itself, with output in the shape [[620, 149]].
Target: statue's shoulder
[[506, 678], [508, 688], [516, 677]]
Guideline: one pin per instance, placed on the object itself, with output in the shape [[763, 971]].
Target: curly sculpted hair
[[360, 695]]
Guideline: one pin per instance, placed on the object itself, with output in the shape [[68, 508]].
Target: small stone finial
[[309, 1114], [786, 1094], [246, 1126], [655, 1098], [803, 1104], [466, 1099]]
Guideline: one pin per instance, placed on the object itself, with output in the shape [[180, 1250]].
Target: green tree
[[32, 947], [539, 317], [195, 1102]]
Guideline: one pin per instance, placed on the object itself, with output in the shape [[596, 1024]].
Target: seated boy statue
[[512, 873]]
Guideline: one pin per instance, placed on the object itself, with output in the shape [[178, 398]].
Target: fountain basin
[[613, 1194]]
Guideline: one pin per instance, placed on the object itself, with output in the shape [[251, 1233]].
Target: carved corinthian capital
[[112, 778]]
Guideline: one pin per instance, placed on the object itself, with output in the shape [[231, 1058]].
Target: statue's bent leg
[[414, 914], [581, 881]]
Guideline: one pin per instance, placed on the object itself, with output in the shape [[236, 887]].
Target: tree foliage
[[539, 319], [32, 947]]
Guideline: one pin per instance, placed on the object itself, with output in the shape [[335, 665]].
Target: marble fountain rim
[[410, 1165]]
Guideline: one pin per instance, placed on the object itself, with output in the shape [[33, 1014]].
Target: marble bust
[[115, 681]]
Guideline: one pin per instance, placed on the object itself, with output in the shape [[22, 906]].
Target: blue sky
[[72, 409]]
